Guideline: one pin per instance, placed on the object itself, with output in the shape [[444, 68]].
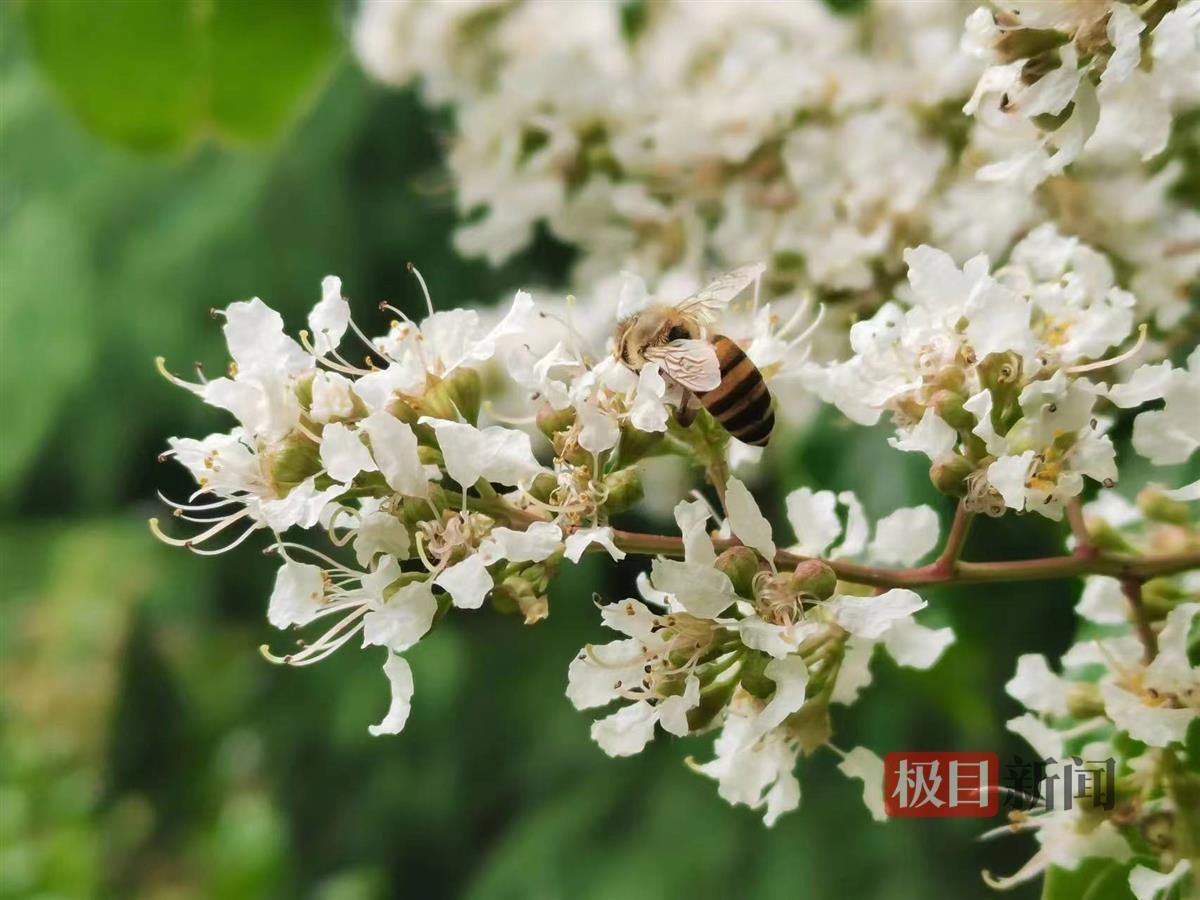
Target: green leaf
[[1094, 879], [157, 76]]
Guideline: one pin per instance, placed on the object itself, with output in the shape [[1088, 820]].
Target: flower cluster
[[1128, 692], [664, 137], [990, 374]]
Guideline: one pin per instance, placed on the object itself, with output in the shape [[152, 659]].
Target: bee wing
[[693, 364], [704, 305]]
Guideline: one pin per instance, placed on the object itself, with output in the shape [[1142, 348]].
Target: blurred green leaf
[[157, 76]]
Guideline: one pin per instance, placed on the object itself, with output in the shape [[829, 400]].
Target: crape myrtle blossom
[[990, 374], [1118, 697], [668, 137], [776, 647]]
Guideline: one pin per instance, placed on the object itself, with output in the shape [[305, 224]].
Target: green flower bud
[[1160, 596], [753, 678], [543, 486], [303, 389], [741, 564], [636, 444], [459, 393], [949, 474], [949, 406], [713, 699], [1025, 43], [811, 725], [624, 490], [294, 460], [551, 420], [1084, 700], [430, 456], [516, 593], [816, 578], [1000, 373], [404, 409], [1158, 507], [951, 378]]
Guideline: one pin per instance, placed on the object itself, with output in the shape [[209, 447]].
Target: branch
[[1140, 568], [947, 560], [1132, 588], [1083, 540]]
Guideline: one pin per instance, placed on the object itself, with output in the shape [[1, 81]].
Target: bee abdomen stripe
[[758, 433], [730, 389], [729, 354], [740, 395], [747, 415]]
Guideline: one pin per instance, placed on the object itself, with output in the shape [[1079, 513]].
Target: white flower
[[467, 582], [534, 544], [1148, 884], [581, 539], [1037, 687], [905, 535], [344, 454], [864, 765], [394, 448], [1169, 435], [330, 317]]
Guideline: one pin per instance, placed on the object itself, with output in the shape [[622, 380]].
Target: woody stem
[[1132, 588]]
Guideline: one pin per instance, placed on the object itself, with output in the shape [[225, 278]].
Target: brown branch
[[1132, 588], [948, 559], [1083, 540], [1139, 568]]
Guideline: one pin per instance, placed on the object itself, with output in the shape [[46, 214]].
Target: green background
[[152, 171]]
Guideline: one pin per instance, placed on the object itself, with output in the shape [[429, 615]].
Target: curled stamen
[[1120, 358], [160, 363], [190, 543]]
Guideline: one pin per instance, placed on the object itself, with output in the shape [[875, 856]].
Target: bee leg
[[685, 413]]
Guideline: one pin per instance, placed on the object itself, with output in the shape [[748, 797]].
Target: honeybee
[[712, 371]]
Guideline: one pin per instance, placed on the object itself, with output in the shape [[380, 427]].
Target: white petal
[[775, 640], [747, 521], [626, 731], [914, 645], [584, 537], [931, 436], [813, 517], [1157, 726], [257, 343], [790, 675], [1046, 742], [692, 517], [534, 544], [332, 397], [598, 430], [1007, 475], [857, 528], [399, 676], [598, 673], [649, 412], [861, 763], [1171, 672], [871, 617], [1188, 492], [298, 594], [394, 447], [467, 582], [1038, 687], [499, 454], [343, 453], [702, 591], [672, 712], [1148, 382], [1148, 884], [403, 619], [855, 671], [905, 536], [329, 318], [1103, 601]]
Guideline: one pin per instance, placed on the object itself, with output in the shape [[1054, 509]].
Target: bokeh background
[[161, 158]]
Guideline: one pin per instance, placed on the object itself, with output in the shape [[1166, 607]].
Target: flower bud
[[1158, 507], [949, 474], [1026, 43], [303, 388], [457, 394], [624, 490], [1000, 373], [636, 444], [753, 678], [516, 593], [430, 456], [811, 725], [1084, 700], [1160, 596], [543, 486], [951, 378], [740, 564], [294, 460], [949, 406], [403, 409], [551, 420], [815, 578]]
